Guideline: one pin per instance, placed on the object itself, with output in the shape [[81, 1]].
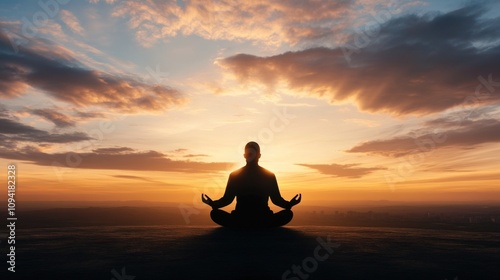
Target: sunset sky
[[154, 100]]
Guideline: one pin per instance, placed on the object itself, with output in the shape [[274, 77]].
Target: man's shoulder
[[265, 171], [261, 170], [237, 171]]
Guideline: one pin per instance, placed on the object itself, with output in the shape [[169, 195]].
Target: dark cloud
[[13, 131], [59, 119], [195, 155], [8, 126], [63, 78], [114, 150], [123, 159], [140, 178], [466, 116], [414, 65], [89, 115], [461, 134], [343, 170], [184, 151], [133, 177], [6, 142], [442, 122], [4, 112]]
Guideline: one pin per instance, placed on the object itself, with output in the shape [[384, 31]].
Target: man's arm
[[228, 196], [276, 197]]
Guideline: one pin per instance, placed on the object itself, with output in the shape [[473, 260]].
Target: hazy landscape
[[381, 242], [467, 217]]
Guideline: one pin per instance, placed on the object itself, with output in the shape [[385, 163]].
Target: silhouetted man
[[252, 186]]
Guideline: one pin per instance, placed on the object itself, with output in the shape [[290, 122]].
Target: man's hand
[[206, 199], [295, 200]]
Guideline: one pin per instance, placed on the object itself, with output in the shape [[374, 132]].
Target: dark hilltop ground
[[156, 243]]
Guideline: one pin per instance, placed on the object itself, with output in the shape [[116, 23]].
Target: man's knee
[[213, 212], [288, 214], [221, 217], [283, 217], [216, 214]]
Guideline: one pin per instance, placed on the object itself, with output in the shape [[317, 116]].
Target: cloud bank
[[466, 135], [40, 66], [271, 23], [115, 159], [12, 132], [415, 65]]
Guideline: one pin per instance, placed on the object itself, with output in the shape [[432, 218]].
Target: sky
[[350, 100]]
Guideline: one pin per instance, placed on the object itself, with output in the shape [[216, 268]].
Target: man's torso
[[253, 186]]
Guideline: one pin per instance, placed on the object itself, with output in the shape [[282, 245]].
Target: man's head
[[252, 153]]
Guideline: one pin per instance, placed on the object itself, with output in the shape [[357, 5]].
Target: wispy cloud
[[113, 150], [342, 170], [195, 155], [71, 21], [141, 178]]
